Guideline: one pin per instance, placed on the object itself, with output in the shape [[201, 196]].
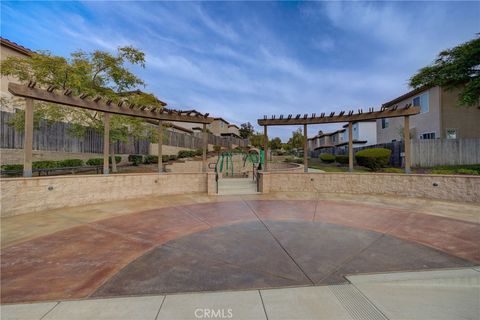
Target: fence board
[[429, 153], [56, 137]]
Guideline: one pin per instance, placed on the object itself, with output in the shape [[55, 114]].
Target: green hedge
[[12, 167], [151, 159], [46, 164], [342, 159], [99, 161], [327, 158], [135, 159], [217, 148], [374, 158], [189, 153]]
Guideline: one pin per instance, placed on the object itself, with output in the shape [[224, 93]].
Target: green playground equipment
[[224, 162]]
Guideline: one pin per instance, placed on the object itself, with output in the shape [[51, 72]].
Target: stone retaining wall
[[22, 195], [443, 187]]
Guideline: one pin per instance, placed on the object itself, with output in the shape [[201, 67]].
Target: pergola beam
[[350, 117], [98, 105]]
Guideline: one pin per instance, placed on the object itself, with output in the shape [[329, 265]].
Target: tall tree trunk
[[112, 155]]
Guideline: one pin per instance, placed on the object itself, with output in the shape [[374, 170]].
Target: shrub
[[94, 162], [187, 153], [217, 148], [99, 161], [443, 171], [393, 170], [44, 164], [199, 152], [468, 171], [172, 157], [327, 158], [70, 163], [12, 167], [151, 159], [342, 159], [135, 159], [374, 158]]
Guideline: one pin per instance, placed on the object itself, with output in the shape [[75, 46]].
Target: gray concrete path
[[441, 294]]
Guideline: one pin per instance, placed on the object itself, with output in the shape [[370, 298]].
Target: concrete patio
[[293, 255], [448, 294]]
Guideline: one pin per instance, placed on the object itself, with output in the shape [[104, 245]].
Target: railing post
[[305, 149], [350, 147], [406, 138], [205, 146], [265, 149], [28, 139], [106, 142], [160, 146]]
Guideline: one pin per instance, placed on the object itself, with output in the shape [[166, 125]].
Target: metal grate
[[356, 304]]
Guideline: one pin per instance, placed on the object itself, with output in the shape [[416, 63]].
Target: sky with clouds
[[243, 60]]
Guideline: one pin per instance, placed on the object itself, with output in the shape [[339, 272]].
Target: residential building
[[364, 134], [440, 117], [7, 49]]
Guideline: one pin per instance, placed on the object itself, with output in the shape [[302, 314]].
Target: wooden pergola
[[343, 116], [107, 107]]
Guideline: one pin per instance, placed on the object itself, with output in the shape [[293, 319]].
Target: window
[[422, 102], [384, 123], [428, 135], [451, 133]]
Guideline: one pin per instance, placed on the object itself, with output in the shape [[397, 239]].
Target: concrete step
[[232, 186]]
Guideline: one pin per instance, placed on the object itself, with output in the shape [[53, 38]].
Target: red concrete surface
[[73, 263]]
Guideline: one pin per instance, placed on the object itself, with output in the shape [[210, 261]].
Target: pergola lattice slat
[[354, 117], [349, 117], [101, 105]]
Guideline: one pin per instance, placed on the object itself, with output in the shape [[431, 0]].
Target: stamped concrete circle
[[232, 245]]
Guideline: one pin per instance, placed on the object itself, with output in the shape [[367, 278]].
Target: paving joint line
[[263, 304], [58, 302], [278, 242], [341, 264], [161, 305]]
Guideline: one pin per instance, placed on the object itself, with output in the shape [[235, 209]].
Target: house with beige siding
[[440, 117], [7, 49]]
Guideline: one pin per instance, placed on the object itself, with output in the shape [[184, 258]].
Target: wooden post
[[406, 138], [205, 146], [350, 147], [28, 139], [305, 149], [160, 146], [106, 142], [265, 148]]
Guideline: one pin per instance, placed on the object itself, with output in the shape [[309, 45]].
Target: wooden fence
[[57, 137], [425, 153], [428, 153]]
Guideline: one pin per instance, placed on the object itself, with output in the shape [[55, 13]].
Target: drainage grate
[[357, 305]]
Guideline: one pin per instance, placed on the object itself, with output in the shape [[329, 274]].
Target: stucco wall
[[456, 188], [22, 195], [421, 123], [466, 121]]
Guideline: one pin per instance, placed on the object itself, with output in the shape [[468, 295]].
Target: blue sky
[[241, 60]]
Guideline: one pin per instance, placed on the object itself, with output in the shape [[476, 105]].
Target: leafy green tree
[[275, 144], [97, 73], [246, 130], [456, 68], [297, 139], [256, 140]]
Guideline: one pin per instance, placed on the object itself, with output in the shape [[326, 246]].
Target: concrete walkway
[[443, 294]]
